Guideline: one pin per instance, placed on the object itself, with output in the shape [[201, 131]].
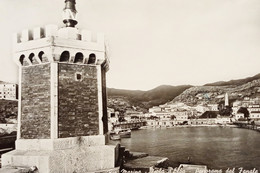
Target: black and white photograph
[[130, 86]]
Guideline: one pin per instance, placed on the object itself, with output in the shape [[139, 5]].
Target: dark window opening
[[65, 56], [112, 114], [78, 58], [92, 58], [31, 57], [40, 55], [78, 76], [21, 59]]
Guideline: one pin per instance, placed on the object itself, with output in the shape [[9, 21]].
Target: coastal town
[[167, 115], [61, 116], [180, 114]]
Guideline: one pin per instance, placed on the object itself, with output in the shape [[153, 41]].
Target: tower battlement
[[53, 44]]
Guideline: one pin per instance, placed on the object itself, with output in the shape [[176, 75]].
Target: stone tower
[[62, 119]]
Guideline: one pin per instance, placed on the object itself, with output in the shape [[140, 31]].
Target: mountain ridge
[[234, 82], [207, 93], [121, 99]]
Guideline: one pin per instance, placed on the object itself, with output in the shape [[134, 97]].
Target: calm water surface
[[216, 147]]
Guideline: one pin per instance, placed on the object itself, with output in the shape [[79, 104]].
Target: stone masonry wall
[[78, 100], [35, 105]]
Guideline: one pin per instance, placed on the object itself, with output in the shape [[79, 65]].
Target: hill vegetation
[[142, 100], [234, 82], [211, 93], [215, 94]]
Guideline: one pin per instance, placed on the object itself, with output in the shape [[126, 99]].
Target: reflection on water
[[218, 148]]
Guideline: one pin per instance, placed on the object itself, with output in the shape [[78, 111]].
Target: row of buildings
[[172, 114]]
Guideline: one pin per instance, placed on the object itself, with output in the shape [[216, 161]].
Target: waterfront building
[[222, 120], [254, 115], [239, 116], [181, 116], [253, 107], [161, 123], [62, 112], [202, 121], [162, 115], [254, 111], [8, 91]]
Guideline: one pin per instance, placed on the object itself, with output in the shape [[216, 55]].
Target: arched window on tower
[[21, 59], [41, 53], [92, 59], [31, 57], [78, 58], [65, 56]]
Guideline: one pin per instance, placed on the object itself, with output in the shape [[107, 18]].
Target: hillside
[[234, 82], [142, 100], [214, 94]]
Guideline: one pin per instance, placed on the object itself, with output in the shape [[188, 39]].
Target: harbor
[[215, 147]]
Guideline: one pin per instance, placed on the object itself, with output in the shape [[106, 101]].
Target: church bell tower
[[62, 116]]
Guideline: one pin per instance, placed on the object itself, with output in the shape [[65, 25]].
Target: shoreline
[[185, 126]]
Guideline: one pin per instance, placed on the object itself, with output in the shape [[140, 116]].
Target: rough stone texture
[[78, 101], [35, 102], [79, 159]]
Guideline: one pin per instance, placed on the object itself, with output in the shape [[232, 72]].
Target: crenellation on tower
[[51, 42]]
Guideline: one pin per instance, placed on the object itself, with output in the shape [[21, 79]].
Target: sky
[[152, 42]]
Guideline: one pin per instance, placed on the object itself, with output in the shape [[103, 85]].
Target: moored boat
[[125, 133], [114, 136]]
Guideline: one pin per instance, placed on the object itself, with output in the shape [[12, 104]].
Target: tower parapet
[[47, 44]]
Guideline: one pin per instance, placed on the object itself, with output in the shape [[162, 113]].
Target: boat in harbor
[[114, 136], [125, 133], [117, 134]]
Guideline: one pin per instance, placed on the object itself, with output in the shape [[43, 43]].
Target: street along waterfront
[[216, 147]]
